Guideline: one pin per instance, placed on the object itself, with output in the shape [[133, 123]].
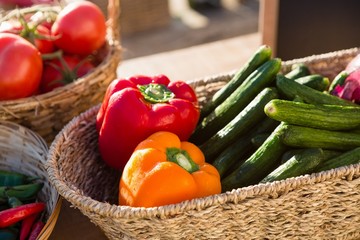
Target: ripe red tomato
[[57, 73], [80, 28], [20, 69], [39, 35]]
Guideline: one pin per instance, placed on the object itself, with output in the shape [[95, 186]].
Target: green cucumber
[[290, 89], [259, 139], [262, 54], [306, 137], [301, 163], [331, 117], [315, 81], [237, 101], [350, 157], [251, 115], [298, 70], [291, 152], [338, 80], [263, 161], [235, 152]]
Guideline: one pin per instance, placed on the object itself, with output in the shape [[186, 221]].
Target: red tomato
[[21, 67], [55, 74], [80, 28], [38, 35]]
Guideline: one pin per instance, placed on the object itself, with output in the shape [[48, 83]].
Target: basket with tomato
[[56, 62]]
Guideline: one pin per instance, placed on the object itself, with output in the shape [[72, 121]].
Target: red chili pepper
[[137, 107], [26, 226], [11, 216], [36, 230]]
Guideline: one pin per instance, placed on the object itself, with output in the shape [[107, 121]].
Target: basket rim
[[114, 48], [273, 189]]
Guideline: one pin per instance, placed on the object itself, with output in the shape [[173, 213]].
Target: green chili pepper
[[22, 192], [12, 178]]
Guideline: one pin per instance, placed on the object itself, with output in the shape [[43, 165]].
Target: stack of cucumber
[[264, 125]]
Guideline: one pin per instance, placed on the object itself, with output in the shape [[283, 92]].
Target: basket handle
[[113, 10]]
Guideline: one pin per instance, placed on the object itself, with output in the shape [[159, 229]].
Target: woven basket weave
[[323, 205], [24, 151], [47, 113]]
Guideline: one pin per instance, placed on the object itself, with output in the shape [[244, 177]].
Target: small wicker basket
[[47, 113], [24, 151], [322, 205]]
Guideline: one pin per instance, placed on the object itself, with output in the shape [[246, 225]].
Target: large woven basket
[[47, 113], [323, 205], [24, 151]]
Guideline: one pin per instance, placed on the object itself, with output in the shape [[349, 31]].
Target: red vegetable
[[20, 69], [26, 226], [36, 230], [59, 72], [11, 216], [80, 28], [135, 108]]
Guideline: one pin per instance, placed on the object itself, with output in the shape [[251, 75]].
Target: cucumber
[[290, 89], [262, 54], [251, 115], [298, 70], [305, 137], [291, 152], [259, 139], [350, 157], [301, 163], [315, 81], [338, 80], [237, 101], [263, 161], [331, 117], [235, 152]]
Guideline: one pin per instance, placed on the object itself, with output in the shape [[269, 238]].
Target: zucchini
[[350, 157], [338, 80], [263, 161], [305, 137], [301, 163], [331, 117], [298, 70], [251, 115], [315, 81], [235, 152], [262, 55], [290, 89], [237, 101]]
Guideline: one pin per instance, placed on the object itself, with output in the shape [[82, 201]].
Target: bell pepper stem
[[182, 158], [156, 93]]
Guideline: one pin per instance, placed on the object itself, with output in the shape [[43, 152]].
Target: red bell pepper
[[139, 106]]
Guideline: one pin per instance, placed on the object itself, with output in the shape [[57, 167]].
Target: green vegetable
[[22, 192], [251, 115], [259, 164], [301, 163], [305, 137], [235, 153], [314, 81], [338, 80], [298, 70], [259, 139], [331, 117], [262, 55], [290, 89], [11, 178], [237, 101], [350, 157]]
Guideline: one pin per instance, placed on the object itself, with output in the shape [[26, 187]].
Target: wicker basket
[[47, 113], [323, 205], [24, 151]]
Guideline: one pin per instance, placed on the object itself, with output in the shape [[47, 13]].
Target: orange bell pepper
[[163, 170]]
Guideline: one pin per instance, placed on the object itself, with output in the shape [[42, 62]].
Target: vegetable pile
[[44, 47], [263, 125], [21, 213]]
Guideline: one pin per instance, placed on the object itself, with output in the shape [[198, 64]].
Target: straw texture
[[323, 205], [24, 151], [47, 113]]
